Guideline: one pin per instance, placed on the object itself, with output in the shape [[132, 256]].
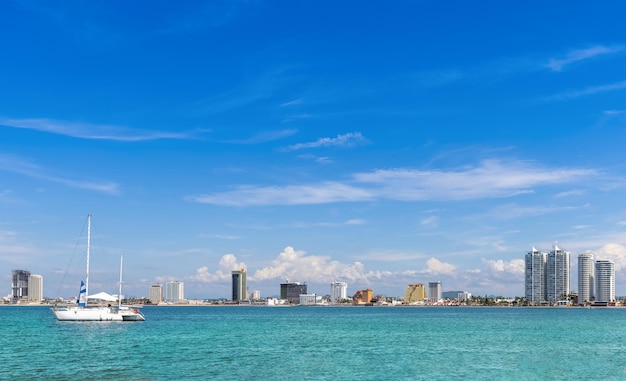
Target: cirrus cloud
[[489, 179]]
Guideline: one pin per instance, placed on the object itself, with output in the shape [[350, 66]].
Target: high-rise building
[[557, 274], [586, 267], [19, 285], [156, 293], [174, 291], [35, 288], [604, 281], [240, 285], [434, 292], [338, 291], [291, 291], [535, 276], [414, 293]]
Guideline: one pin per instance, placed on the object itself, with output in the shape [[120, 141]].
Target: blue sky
[[377, 144]]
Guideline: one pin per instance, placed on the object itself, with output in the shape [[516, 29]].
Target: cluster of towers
[[174, 292], [596, 280], [26, 287], [547, 277]]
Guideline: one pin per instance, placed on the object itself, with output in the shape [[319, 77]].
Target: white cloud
[[430, 221], [578, 192], [287, 195], [13, 252], [296, 266], [227, 264], [392, 256], [613, 252], [511, 211], [293, 118], [490, 179], [502, 269], [223, 236], [580, 55], [15, 164], [588, 91], [292, 102], [317, 159], [355, 221], [93, 131], [346, 140], [436, 267], [264, 137]]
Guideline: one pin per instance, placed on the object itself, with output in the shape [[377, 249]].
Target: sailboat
[[85, 312]]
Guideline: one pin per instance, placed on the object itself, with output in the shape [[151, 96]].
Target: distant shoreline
[[328, 305]]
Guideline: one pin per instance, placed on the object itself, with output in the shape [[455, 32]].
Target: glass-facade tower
[[240, 285], [19, 285]]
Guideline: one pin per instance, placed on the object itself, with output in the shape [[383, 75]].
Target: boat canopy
[[103, 296]]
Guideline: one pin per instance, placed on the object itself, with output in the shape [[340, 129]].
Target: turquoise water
[[319, 343]]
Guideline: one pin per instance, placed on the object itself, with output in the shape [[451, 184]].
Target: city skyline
[[546, 276], [377, 144]]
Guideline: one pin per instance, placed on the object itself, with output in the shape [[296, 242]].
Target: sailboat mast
[[88, 248], [119, 293]]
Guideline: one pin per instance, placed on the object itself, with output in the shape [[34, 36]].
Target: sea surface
[[318, 343]]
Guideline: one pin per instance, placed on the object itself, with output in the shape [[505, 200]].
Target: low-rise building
[[363, 296]]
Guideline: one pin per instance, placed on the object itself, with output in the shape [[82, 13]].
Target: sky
[[379, 144]]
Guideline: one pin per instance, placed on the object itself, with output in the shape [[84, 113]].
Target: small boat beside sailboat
[[83, 311]]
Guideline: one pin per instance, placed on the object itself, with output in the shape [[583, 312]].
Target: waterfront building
[[535, 276], [174, 292], [338, 291], [557, 274], [308, 299], [363, 296], [156, 293], [450, 294], [255, 295], [19, 285], [414, 293], [434, 292], [291, 291], [464, 296], [604, 282], [35, 288], [586, 271], [240, 285]]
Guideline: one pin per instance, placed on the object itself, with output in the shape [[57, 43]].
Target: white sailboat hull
[[97, 314]]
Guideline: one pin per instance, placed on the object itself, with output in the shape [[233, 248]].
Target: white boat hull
[[97, 314]]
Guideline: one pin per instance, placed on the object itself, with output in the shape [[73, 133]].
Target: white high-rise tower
[[535, 276], [338, 291], [557, 274], [586, 267], [35, 288], [174, 291], [605, 281]]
